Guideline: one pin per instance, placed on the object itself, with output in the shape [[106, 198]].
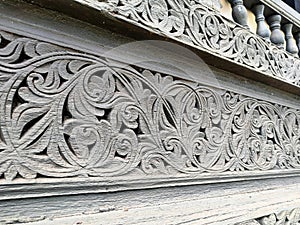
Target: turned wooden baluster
[[239, 12], [277, 36], [290, 41], [297, 37], [262, 29]]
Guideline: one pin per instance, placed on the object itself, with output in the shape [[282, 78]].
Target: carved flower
[[129, 116], [125, 145], [99, 84], [268, 129], [87, 142], [94, 90], [266, 159], [292, 147], [215, 135], [255, 144], [158, 10], [256, 119], [268, 151]]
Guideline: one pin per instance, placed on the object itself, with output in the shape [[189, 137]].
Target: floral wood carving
[[289, 217], [65, 114], [193, 23]]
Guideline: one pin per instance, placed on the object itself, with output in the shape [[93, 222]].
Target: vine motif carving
[[65, 114], [283, 218], [193, 23]]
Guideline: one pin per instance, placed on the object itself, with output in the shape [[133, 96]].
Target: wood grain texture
[[227, 203]]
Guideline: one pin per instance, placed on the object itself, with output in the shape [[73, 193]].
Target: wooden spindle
[[291, 45], [262, 29], [239, 12], [277, 36]]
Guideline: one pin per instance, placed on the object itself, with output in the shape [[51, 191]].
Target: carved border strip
[[67, 114], [192, 23], [283, 218]]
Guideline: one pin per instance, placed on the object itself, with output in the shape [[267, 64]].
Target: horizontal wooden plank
[[217, 204]]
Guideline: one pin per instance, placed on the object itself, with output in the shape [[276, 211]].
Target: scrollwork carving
[[192, 23], [66, 114]]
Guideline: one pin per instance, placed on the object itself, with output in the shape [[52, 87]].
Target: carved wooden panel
[[69, 114], [76, 127], [192, 23]]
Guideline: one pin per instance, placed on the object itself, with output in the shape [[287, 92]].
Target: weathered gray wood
[[32, 21], [262, 29], [239, 12], [284, 10], [277, 36], [226, 203], [167, 183], [111, 10], [69, 7], [283, 217], [221, 80], [290, 41]]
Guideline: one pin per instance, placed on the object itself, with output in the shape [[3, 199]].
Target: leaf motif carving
[[193, 23], [70, 114]]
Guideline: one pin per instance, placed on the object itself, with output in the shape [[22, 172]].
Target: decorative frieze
[[191, 23], [66, 114], [84, 127]]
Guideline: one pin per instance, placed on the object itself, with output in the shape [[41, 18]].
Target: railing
[[295, 4], [275, 21], [267, 50]]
